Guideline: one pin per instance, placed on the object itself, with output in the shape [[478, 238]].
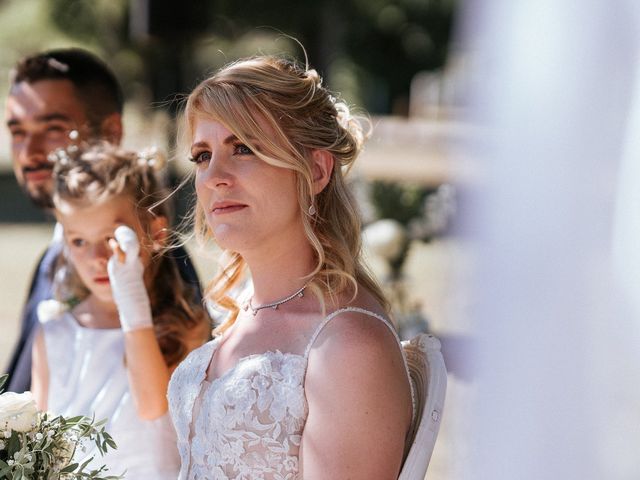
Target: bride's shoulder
[[359, 321], [356, 330], [358, 352]]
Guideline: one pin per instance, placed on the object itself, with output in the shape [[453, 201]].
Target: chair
[[429, 378]]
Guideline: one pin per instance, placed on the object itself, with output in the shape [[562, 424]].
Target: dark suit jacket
[[41, 288]]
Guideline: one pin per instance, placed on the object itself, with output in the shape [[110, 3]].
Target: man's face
[[41, 117]]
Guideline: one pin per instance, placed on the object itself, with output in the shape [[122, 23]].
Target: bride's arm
[[359, 402]]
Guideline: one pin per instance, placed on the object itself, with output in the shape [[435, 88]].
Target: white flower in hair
[[149, 156], [59, 155]]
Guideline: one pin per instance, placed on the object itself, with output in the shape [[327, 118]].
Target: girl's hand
[[126, 274]]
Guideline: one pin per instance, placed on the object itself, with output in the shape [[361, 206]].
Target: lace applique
[[250, 421]]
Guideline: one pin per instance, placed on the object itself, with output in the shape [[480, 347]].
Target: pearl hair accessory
[[298, 293]]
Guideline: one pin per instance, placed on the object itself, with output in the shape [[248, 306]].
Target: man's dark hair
[[96, 85]]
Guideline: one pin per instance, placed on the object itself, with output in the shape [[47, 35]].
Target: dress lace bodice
[[247, 424]]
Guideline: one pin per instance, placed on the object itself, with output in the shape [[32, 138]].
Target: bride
[[307, 377]]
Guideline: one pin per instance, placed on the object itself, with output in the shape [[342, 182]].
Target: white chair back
[[429, 378]]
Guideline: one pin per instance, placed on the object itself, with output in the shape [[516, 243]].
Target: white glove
[[127, 282]]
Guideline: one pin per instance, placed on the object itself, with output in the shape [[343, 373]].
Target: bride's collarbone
[[246, 341]]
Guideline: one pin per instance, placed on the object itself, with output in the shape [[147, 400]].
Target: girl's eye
[[77, 242], [242, 149], [200, 157]]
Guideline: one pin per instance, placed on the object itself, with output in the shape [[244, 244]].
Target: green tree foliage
[[383, 42], [369, 50]]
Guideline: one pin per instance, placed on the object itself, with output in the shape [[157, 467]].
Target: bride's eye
[[200, 157], [242, 149]]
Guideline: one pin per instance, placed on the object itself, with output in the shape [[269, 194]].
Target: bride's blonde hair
[[303, 116]]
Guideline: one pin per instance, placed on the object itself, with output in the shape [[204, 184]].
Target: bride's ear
[[323, 163]]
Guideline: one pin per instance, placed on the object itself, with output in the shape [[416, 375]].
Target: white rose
[[18, 411], [385, 238]]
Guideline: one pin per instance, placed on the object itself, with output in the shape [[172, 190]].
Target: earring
[[312, 210], [156, 246]]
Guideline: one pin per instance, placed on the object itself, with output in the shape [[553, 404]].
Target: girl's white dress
[[246, 424], [88, 376]]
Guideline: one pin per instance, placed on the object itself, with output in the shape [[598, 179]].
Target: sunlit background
[[392, 59]]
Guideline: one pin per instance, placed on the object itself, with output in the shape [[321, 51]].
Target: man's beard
[[40, 196]]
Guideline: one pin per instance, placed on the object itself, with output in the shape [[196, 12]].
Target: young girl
[[307, 379], [111, 353]]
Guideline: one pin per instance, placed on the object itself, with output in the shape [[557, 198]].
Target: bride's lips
[[222, 208]]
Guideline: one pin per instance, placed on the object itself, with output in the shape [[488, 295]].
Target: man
[[57, 98]]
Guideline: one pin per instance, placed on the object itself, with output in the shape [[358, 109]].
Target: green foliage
[[46, 452], [394, 39], [369, 50], [385, 42], [102, 20], [399, 201]]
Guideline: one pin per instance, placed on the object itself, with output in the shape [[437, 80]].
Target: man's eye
[[17, 134], [200, 157], [56, 130]]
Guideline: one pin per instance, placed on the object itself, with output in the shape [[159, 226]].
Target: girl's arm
[[146, 368], [147, 372], [359, 402], [39, 371]]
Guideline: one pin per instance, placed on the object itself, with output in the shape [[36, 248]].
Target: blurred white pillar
[[558, 357]]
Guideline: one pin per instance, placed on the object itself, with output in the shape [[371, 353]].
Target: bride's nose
[[217, 172]]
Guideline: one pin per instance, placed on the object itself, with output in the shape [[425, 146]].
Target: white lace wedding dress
[[246, 424]]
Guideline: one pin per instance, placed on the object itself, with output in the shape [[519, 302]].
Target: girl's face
[[87, 231], [249, 204]]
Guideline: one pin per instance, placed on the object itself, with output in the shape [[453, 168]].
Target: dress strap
[[333, 315]]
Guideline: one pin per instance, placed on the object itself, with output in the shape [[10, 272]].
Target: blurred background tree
[[369, 50]]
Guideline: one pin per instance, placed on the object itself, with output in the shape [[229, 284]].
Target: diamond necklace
[[298, 293]]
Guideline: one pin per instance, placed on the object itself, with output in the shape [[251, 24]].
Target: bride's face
[[248, 204]]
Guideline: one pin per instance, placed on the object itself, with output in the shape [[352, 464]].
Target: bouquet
[[36, 445]]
